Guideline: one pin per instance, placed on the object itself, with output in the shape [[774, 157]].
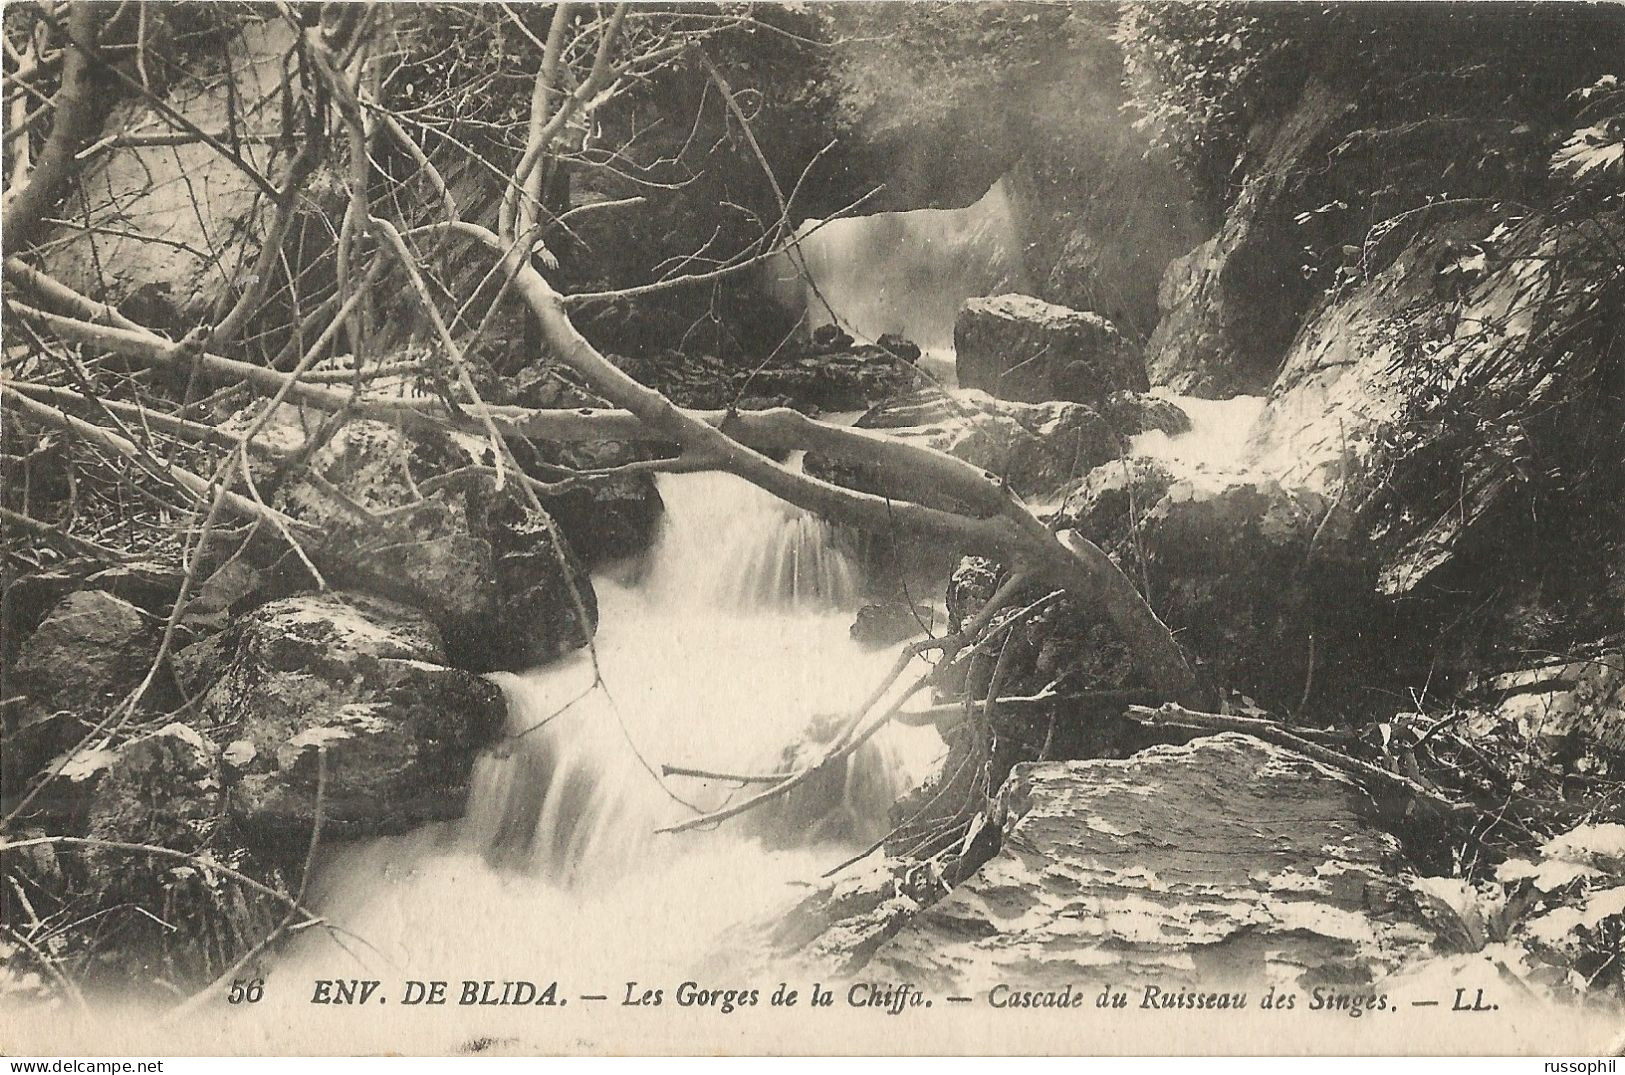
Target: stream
[[726, 652], [718, 650]]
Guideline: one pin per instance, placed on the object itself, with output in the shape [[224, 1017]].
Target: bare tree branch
[[79, 112]]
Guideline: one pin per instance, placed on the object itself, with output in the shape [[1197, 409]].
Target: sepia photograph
[[803, 528]]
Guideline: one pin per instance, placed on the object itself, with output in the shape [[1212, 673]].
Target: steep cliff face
[[1467, 403], [1430, 301], [1230, 305], [1328, 159]]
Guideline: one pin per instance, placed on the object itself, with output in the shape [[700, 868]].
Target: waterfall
[[907, 272], [730, 546], [725, 653]]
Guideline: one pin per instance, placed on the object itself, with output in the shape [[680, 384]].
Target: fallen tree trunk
[[987, 519], [1011, 534]]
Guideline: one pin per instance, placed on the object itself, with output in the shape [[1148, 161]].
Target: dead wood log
[[1001, 527]]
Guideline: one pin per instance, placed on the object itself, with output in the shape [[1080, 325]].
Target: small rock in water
[[902, 347], [889, 622], [830, 338]]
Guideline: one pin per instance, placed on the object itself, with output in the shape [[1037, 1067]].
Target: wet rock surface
[[1244, 568], [1223, 861], [1230, 306], [1356, 407], [360, 679], [608, 519], [494, 574], [1017, 347], [886, 623], [87, 654]]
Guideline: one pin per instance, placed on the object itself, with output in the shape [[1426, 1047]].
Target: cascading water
[[734, 640], [730, 648], [730, 546], [906, 273], [1217, 438], [732, 644]]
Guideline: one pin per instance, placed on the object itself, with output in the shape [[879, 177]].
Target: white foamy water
[[1217, 438], [906, 273], [729, 650], [729, 545]]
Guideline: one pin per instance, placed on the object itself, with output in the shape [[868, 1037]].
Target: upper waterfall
[[904, 273]]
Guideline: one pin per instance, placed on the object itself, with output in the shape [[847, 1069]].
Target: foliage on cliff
[[1209, 76]]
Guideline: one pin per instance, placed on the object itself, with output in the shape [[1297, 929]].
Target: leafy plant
[[1203, 72], [1595, 153], [1564, 905]]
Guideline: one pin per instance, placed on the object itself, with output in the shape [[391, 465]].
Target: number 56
[[245, 991]]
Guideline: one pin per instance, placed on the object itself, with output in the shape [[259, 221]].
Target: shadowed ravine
[[589, 520]]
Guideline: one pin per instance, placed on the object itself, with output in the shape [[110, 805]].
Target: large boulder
[[359, 679], [1335, 181], [1212, 521], [201, 205], [1225, 862], [1457, 426], [1108, 503], [421, 519], [164, 789], [87, 654], [885, 623], [150, 584], [1020, 348]]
